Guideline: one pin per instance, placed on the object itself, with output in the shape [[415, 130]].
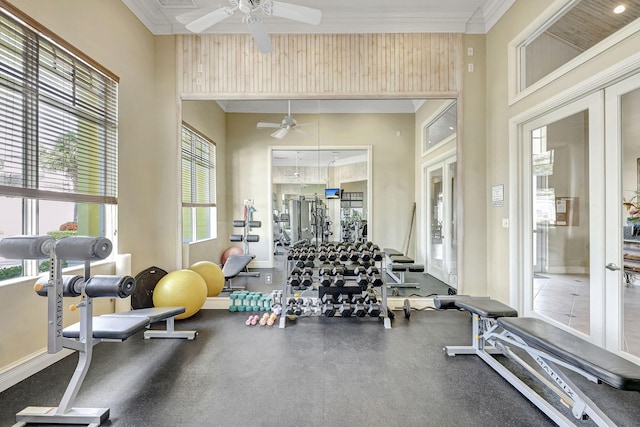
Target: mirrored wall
[[320, 195]]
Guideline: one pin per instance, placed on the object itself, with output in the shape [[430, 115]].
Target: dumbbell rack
[[340, 282]]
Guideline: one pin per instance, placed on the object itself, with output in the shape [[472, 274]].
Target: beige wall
[[209, 118], [148, 158], [392, 182], [517, 18]]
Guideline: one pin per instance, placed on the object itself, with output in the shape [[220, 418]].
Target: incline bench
[[397, 265], [497, 329]]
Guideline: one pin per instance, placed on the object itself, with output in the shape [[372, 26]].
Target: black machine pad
[[402, 259], [608, 367], [154, 314], [392, 252], [110, 327], [488, 308], [236, 264]]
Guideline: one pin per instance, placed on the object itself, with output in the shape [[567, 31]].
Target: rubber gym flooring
[[316, 372]]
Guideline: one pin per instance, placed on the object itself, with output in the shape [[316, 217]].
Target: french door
[[578, 165], [622, 277], [441, 247], [563, 229]]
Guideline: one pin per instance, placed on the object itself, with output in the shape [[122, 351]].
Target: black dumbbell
[[338, 280], [345, 309], [362, 280], [359, 309], [328, 310], [327, 298], [376, 280], [374, 310], [372, 270], [294, 281], [337, 270], [306, 281]]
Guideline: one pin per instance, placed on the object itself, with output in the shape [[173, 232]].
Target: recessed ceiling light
[[619, 9]]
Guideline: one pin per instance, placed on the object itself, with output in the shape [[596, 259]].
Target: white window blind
[[198, 169], [58, 119], [199, 214]]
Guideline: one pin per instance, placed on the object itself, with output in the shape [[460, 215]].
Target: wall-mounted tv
[[331, 193]]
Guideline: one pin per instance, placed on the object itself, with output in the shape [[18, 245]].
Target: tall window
[[58, 138], [198, 186]]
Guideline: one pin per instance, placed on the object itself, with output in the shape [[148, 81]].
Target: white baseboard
[[260, 264], [567, 270], [28, 366]]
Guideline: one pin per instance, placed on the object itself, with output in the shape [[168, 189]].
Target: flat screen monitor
[[332, 193]]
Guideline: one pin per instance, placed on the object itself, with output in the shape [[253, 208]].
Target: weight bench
[[233, 267], [107, 326], [90, 330], [549, 351], [398, 264]]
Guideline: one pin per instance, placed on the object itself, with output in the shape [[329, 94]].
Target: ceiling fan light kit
[[198, 23]]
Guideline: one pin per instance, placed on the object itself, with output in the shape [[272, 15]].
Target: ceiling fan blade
[[209, 19], [185, 18], [259, 34], [262, 125], [280, 133], [296, 13]]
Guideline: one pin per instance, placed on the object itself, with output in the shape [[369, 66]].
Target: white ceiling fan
[[288, 123], [200, 20]]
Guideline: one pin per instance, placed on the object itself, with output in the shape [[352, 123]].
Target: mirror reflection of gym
[[319, 195]]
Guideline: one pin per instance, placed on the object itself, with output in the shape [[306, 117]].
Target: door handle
[[612, 267]]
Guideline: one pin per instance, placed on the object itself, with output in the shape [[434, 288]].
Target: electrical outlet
[[267, 278]]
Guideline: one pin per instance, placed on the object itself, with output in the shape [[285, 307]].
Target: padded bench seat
[[114, 328], [608, 367], [121, 325], [487, 308], [154, 314], [401, 259], [392, 252]]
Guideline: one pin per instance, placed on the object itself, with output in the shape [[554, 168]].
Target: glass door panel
[[561, 229], [623, 218], [436, 219], [629, 113], [441, 243]]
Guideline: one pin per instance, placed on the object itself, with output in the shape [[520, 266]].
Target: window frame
[[517, 46], [51, 90], [198, 198]]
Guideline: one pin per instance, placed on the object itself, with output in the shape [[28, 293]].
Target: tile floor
[[565, 298]]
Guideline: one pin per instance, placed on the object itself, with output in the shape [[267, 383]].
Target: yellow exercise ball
[[183, 288], [212, 275]]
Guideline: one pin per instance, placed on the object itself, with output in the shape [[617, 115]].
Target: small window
[[574, 29], [441, 129], [198, 186]]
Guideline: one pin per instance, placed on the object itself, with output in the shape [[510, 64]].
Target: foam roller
[[110, 286], [26, 247], [71, 286], [83, 248]]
